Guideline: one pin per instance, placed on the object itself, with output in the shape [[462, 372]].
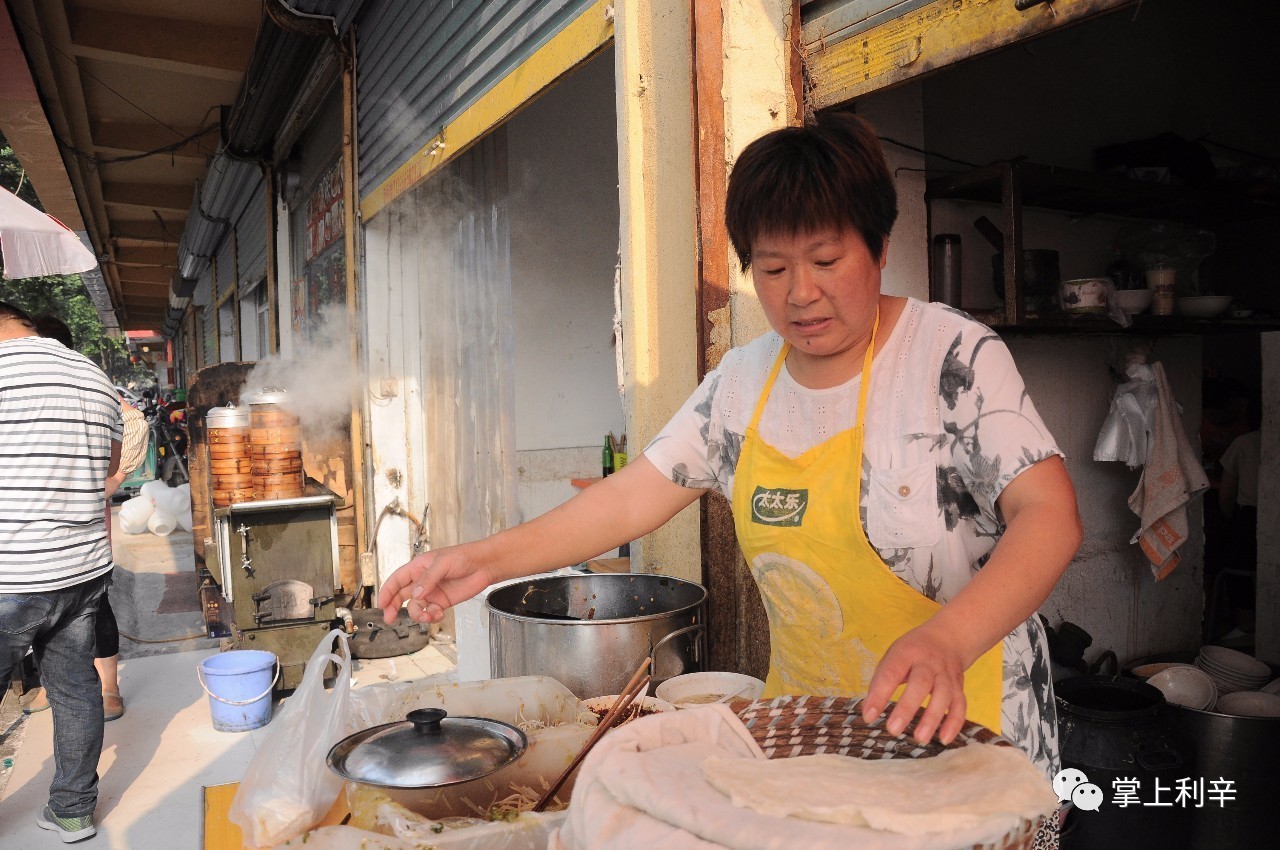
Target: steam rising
[[318, 374]]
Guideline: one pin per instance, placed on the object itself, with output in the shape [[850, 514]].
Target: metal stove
[[277, 570]]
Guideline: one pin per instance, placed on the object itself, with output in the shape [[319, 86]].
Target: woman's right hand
[[430, 583]]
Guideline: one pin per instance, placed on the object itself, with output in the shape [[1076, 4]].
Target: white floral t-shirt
[[946, 403]]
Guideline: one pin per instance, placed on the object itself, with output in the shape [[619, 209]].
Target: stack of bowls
[[1185, 685], [1232, 670]]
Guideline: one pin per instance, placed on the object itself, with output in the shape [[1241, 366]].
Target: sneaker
[[68, 829], [35, 701], [112, 706]]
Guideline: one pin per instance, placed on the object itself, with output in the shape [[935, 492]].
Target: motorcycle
[[169, 432]]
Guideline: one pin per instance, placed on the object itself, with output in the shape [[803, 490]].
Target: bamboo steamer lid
[[228, 418], [268, 408]]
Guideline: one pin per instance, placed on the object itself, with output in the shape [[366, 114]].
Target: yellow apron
[[834, 606]]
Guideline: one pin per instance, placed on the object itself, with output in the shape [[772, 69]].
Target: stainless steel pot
[[592, 631]]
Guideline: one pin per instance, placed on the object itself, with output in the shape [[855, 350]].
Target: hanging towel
[[1171, 476]]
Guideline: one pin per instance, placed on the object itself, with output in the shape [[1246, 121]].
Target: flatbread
[[976, 786]]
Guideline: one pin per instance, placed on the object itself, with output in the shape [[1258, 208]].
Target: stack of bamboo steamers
[[255, 454], [275, 446], [230, 469]]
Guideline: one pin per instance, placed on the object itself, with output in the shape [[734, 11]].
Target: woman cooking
[[899, 500]]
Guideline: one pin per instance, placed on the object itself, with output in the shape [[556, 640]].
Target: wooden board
[[930, 37], [221, 834]]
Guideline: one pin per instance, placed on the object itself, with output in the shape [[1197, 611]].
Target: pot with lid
[[429, 749]]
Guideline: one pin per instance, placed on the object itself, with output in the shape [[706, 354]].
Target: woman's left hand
[[932, 668]]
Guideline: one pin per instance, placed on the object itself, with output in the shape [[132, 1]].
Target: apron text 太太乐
[[834, 607]]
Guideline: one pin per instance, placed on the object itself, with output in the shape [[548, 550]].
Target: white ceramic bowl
[[1203, 306], [1146, 671], [1234, 663], [1186, 686], [1249, 704], [694, 689], [1133, 301]]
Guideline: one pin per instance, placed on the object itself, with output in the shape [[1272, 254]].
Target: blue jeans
[[59, 626]]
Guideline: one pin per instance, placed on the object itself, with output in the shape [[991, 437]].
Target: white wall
[[563, 178], [899, 114], [1108, 590]]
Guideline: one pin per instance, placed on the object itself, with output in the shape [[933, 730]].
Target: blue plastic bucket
[[239, 684]]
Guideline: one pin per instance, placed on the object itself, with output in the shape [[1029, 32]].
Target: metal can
[[946, 269]]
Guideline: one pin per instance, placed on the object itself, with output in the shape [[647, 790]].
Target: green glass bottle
[[606, 456]]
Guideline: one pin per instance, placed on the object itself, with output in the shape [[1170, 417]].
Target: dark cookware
[[1040, 273], [1115, 728]]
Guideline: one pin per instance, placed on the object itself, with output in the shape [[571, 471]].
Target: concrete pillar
[[658, 243]]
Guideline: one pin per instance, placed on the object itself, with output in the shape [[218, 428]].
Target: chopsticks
[[635, 688]]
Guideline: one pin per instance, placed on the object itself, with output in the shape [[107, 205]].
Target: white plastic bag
[[288, 787]]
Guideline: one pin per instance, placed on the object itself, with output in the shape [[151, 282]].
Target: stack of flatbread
[[696, 780], [984, 787]]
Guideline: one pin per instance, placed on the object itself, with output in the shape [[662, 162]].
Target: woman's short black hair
[[831, 173]]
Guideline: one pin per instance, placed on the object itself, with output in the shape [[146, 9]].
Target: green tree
[[63, 296], [14, 177]]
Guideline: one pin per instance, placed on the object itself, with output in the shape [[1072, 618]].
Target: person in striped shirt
[[107, 633], [60, 437]]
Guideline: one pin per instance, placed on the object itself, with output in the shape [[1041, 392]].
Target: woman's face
[[820, 291]]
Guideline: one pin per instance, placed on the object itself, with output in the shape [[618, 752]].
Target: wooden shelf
[[1084, 193], [1143, 324], [1019, 184]]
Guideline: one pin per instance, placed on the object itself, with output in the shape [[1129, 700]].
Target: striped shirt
[[59, 415], [137, 437]]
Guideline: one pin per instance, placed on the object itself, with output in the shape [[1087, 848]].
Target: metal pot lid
[[269, 395], [227, 417], [428, 750]]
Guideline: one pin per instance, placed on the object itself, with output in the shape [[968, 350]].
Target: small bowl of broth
[[694, 689]]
